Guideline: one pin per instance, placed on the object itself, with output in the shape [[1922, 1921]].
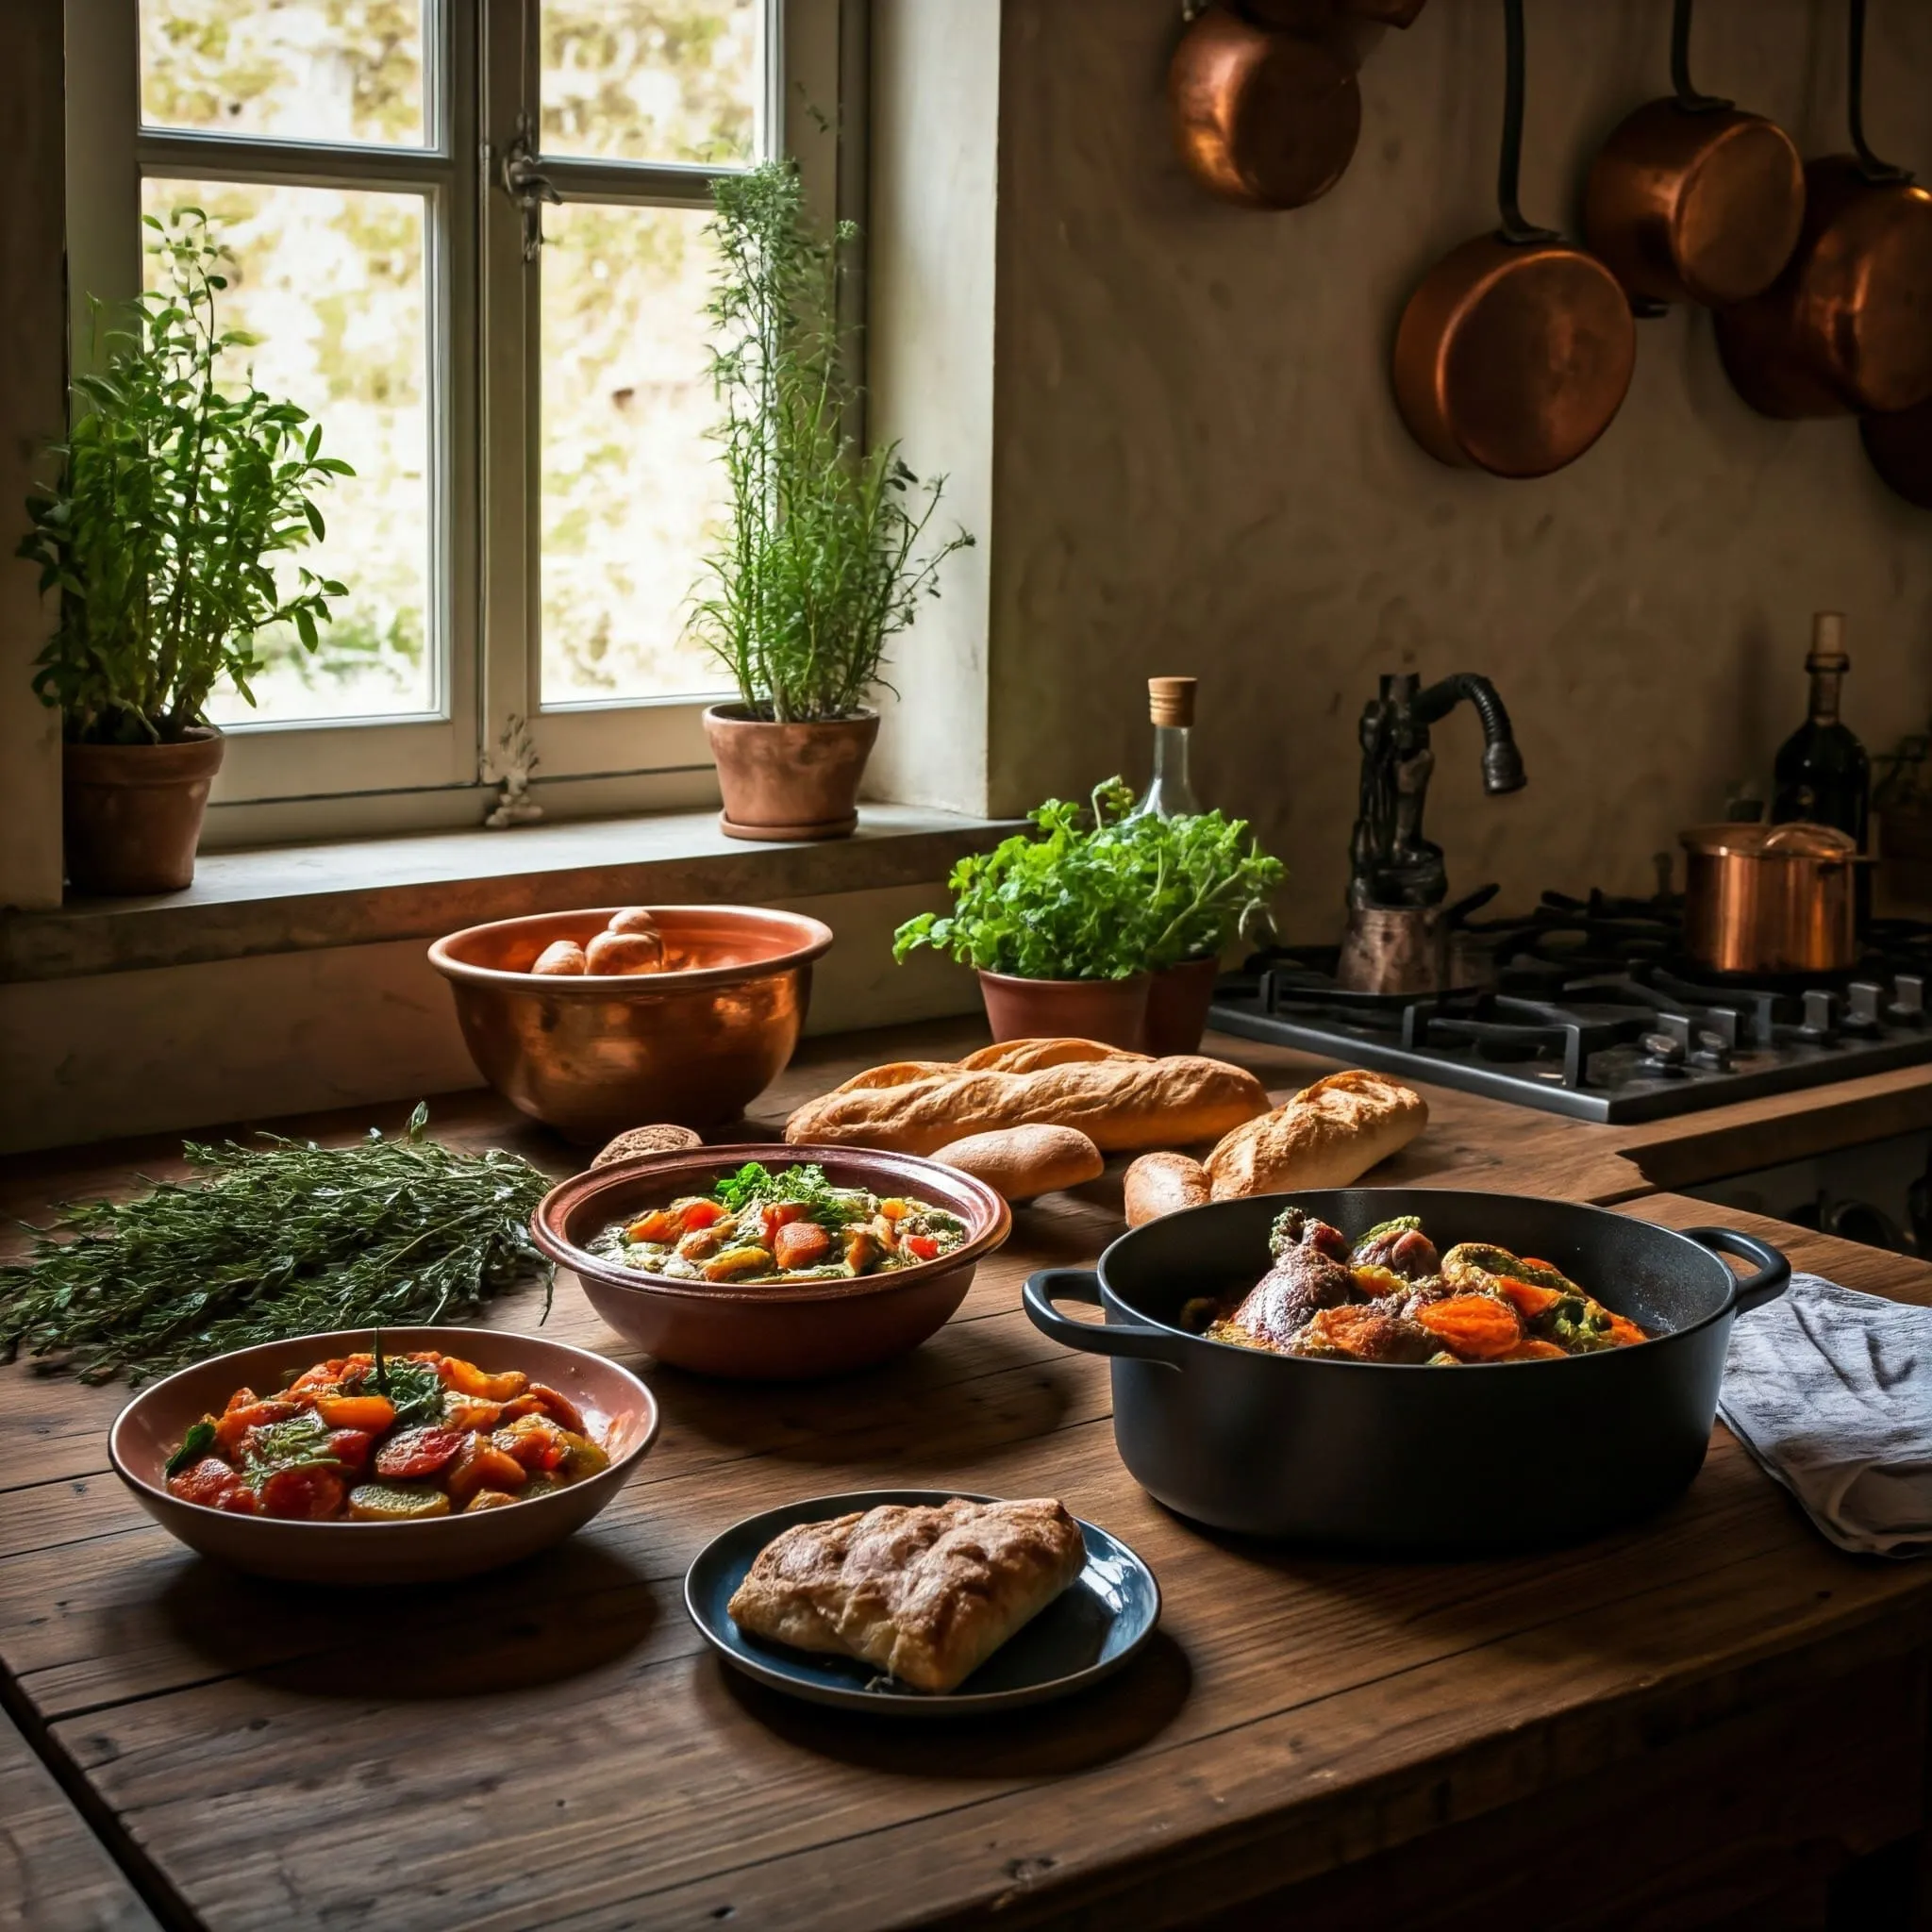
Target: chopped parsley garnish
[[300, 1443], [755, 1184]]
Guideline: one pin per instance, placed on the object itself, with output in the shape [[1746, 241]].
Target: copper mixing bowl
[[592, 1056], [774, 1331]]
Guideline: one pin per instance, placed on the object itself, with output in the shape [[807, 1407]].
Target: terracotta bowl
[[150, 1429], [591, 1056], [775, 1333]]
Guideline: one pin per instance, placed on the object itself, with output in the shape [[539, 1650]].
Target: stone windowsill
[[364, 892]]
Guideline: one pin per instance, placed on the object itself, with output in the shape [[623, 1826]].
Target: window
[[469, 238]]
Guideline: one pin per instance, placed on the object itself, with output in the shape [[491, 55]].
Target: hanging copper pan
[[1516, 350], [1900, 446], [1692, 199], [1848, 326], [1262, 116]]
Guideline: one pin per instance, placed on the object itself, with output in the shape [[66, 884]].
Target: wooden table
[[1715, 1718]]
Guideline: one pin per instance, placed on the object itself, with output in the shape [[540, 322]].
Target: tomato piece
[[697, 1214], [802, 1244], [417, 1453], [660, 1225], [923, 1247], [309, 1495], [373, 1413], [482, 1466], [242, 1398], [554, 1404], [214, 1486], [533, 1441], [351, 1448], [237, 1423]]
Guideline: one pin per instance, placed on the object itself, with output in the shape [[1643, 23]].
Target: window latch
[[527, 185]]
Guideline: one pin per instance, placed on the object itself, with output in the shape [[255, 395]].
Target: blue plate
[[1085, 1634]]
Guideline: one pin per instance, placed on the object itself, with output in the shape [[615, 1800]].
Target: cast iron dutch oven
[[1401, 1459]]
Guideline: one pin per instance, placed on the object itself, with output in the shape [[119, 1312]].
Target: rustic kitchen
[[827, 825]]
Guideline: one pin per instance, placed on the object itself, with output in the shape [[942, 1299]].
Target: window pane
[[652, 80], [630, 478], [298, 70], [331, 281]]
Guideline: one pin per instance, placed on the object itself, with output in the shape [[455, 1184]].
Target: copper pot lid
[[1796, 839]]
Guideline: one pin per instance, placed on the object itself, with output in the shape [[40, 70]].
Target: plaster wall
[[1198, 466]]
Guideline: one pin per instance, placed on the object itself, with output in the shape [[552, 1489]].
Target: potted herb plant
[[173, 495], [1100, 923], [817, 568]]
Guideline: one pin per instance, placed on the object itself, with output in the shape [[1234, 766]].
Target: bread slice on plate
[[922, 1592]]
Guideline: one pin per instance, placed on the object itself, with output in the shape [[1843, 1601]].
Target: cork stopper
[[1828, 642], [1170, 701]]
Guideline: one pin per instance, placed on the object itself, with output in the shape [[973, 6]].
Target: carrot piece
[[802, 1244], [371, 1413], [660, 1225], [481, 1465], [466, 1379], [697, 1214], [1526, 1298], [779, 1214], [1531, 1350], [237, 1423], [1531, 1261], [1625, 1332], [1475, 1326]]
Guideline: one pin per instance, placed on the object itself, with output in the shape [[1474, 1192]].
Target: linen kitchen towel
[[1831, 1392]]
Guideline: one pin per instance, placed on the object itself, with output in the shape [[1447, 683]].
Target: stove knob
[[1821, 1017], [1863, 1001], [1663, 1055], [1908, 1001], [1713, 1054]]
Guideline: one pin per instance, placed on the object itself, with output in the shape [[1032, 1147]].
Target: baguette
[[1329, 1135], [1019, 1163], [1032, 1056], [1159, 1184], [1123, 1104]]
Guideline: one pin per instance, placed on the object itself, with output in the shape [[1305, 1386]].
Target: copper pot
[[1691, 199], [1770, 898], [1899, 447], [1848, 326], [1261, 116], [1516, 350]]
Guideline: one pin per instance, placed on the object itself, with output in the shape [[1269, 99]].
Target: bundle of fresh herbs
[[291, 1238], [1096, 894]]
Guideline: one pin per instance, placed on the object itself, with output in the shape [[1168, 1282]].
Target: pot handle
[[1141, 1339], [1753, 1291]]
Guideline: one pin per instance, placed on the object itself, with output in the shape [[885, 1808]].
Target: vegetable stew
[[756, 1225], [375, 1439]]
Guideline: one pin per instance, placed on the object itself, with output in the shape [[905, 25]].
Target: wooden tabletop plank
[[55, 1875], [557, 1747]]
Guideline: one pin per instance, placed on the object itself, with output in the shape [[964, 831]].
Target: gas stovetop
[[1589, 1007]]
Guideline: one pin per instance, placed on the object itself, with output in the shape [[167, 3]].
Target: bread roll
[[560, 956], [624, 952], [1159, 1184], [656, 1139], [1123, 1104], [1021, 1163], [632, 918], [1329, 1135]]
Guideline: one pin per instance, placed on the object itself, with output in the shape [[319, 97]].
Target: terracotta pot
[[1113, 1011], [131, 813], [789, 781], [1178, 1005]]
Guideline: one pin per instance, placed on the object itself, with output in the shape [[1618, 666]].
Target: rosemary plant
[[290, 1238], [174, 495], [816, 569]]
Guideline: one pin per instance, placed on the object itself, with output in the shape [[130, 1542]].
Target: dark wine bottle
[[1823, 776]]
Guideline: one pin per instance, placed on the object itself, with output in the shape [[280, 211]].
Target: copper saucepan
[[1848, 326], [1899, 447], [1516, 350], [1692, 199], [1770, 898], [1261, 115]]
